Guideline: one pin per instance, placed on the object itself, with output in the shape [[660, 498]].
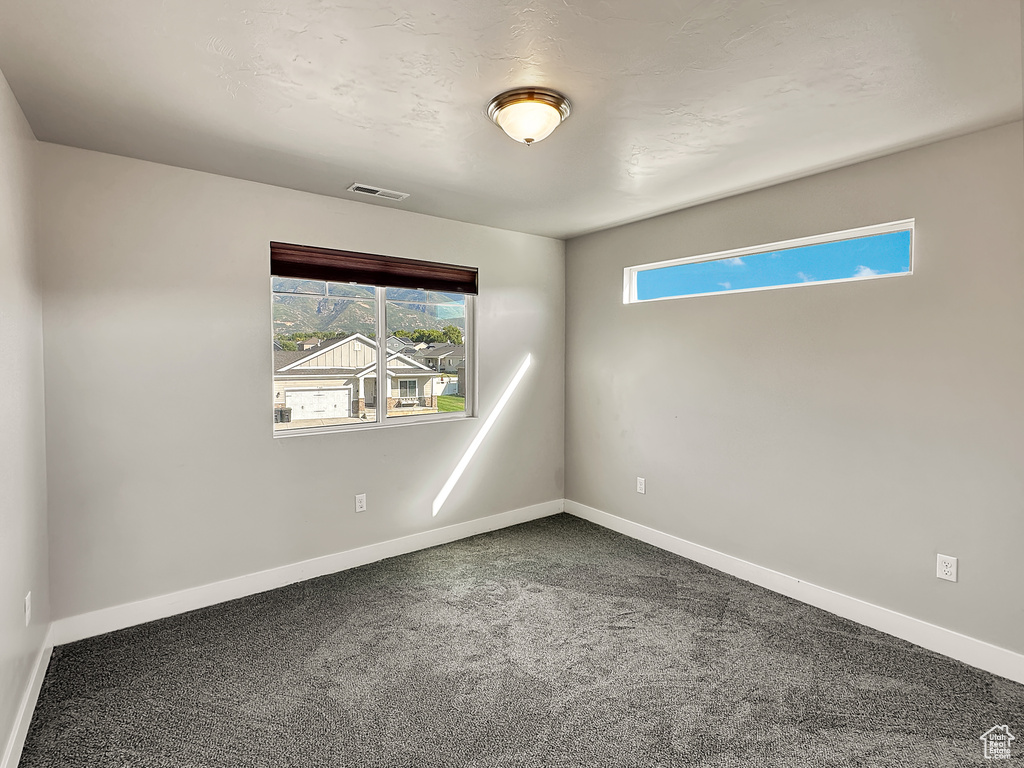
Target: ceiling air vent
[[387, 194]]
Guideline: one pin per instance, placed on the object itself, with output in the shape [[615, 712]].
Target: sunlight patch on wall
[[446, 490]]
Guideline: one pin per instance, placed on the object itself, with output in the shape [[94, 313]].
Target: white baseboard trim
[[977, 653], [99, 622], [16, 742]]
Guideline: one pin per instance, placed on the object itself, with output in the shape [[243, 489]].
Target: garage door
[[317, 403]]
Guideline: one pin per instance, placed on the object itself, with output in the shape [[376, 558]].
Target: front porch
[[397, 406]]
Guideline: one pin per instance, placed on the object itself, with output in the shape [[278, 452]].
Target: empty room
[[479, 383]]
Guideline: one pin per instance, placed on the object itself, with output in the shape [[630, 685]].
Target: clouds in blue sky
[[863, 257]]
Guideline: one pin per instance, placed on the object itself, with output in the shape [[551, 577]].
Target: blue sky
[[884, 254]]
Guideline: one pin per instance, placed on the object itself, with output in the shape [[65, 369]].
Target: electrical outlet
[[945, 567], [360, 502], [28, 609], [641, 485]]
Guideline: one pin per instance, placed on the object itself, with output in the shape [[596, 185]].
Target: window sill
[[391, 423]]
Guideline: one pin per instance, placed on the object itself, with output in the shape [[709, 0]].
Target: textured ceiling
[[674, 103]]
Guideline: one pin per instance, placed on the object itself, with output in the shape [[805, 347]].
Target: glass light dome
[[528, 115]]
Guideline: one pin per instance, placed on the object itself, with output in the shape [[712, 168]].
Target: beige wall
[[147, 500], [841, 434], [23, 549]]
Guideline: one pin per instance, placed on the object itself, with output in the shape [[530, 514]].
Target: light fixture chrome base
[[516, 95]]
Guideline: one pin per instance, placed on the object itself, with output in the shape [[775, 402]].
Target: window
[[330, 311], [884, 250], [421, 388]]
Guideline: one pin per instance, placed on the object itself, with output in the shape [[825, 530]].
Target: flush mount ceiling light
[[528, 114]]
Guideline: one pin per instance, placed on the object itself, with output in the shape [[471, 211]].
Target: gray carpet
[[554, 643]]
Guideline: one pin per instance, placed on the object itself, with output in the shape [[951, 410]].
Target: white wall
[[23, 553], [841, 434], [163, 474]]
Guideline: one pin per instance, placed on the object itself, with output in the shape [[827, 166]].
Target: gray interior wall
[[23, 548], [163, 474], [841, 434]]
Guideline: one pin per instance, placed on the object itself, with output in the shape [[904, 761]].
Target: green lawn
[[446, 403]]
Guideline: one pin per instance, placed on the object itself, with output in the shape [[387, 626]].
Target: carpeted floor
[[554, 643]]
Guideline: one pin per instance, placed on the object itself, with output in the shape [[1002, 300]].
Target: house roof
[[284, 357], [414, 368], [313, 373], [442, 350], [285, 363]]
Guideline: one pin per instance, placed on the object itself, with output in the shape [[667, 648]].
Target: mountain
[[294, 313]]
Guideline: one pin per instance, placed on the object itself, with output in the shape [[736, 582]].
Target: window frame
[[435, 272], [629, 279]]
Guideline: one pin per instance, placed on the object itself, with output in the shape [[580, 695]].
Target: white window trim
[[629, 279]]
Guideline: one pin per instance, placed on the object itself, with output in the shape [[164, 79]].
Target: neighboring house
[[338, 380], [404, 345], [397, 344], [308, 344], [443, 357]]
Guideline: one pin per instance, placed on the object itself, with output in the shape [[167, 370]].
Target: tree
[[453, 334], [428, 335], [403, 334], [289, 346]]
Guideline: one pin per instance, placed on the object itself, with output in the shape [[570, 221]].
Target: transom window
[[350, 351], [884, 250]]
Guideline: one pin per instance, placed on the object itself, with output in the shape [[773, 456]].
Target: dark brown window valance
[[312, 263]]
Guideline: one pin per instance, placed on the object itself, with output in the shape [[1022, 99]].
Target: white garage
[[332, 403]]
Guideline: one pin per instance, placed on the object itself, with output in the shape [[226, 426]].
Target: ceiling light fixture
[[528, 114]]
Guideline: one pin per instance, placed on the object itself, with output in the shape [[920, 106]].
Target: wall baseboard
[[977, 653], [16, 742], [99, 622]]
